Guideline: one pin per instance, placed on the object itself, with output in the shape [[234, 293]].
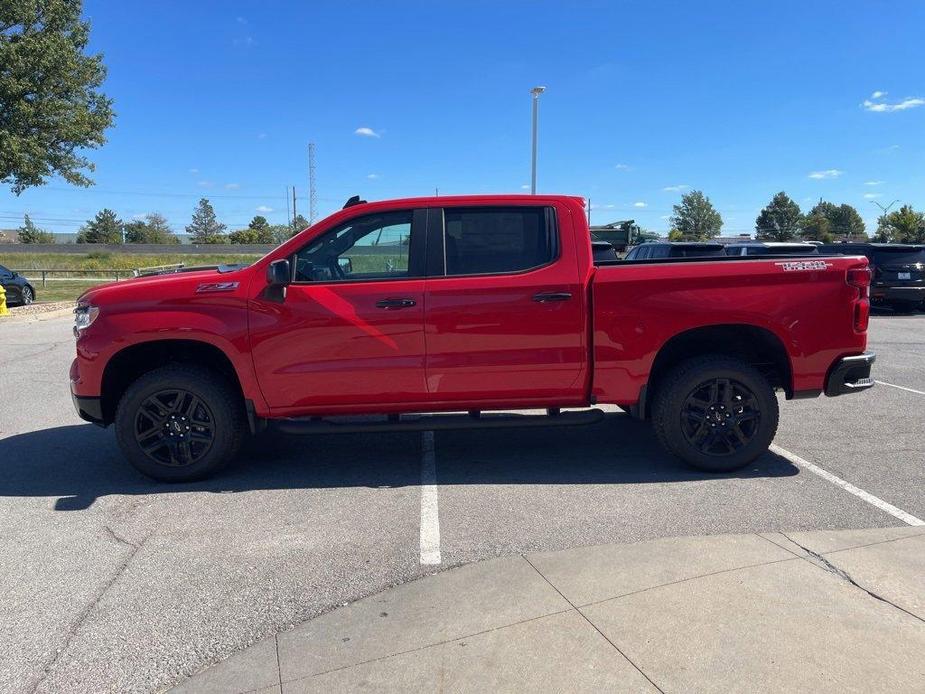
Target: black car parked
[[771, 248], [898, 271], [677, 249], [18, 290]]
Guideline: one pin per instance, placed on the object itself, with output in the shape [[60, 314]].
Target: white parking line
[[848, 487], [893, 385], [430, 509]]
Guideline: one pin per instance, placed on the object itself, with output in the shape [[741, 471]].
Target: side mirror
[[346, 265], [279, 276], [279, 273]]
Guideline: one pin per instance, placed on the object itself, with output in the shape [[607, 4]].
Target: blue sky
[[644, 100]]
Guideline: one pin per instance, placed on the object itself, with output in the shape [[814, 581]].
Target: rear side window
[[905, 256], [498, 240]]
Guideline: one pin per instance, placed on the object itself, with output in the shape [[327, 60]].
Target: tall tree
[[696, 218], [844, 220], [50, 104], [153, 229], [258, 231], [29, 233], [299, 223], [816, 227], [780, 220], [205, 228], [104, 228], [904, 225]]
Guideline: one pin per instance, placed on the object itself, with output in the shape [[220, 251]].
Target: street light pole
[[536, 91]]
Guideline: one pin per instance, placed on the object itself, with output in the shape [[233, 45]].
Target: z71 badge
[[792, 265]]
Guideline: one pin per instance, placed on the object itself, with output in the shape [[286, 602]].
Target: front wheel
[[180, 423], [27, 295], [716, 413]]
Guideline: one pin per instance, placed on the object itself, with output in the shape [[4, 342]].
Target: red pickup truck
[[467, 304]]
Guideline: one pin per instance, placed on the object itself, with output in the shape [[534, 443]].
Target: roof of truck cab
[[439, 200]]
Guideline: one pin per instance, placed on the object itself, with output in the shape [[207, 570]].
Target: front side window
[[497, 240], [366, 248]]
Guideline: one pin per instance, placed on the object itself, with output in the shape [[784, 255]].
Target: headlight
[[84, 315]]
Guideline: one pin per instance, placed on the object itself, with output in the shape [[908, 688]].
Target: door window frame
[[435, 267], [416, 250]]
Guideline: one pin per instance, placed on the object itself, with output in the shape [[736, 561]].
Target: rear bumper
[[850, 375], [912, 295]]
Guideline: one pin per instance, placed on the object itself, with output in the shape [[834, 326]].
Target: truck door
[[505, 316], [350, 330]]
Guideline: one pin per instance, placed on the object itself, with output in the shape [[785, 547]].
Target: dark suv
[[678, 249], [899, 271]]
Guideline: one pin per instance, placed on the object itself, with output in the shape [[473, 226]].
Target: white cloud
[[264, 208], [525, 186], [872, 183], [602, 207], [139, 216], [884, 107], [878, 95], [261, 136], [373, 176], [366, 132], [194, 171], [205, 184], [639, 204], [622, 167], [871, 196], [246, 41], [676, 189], [665, 216], [232, 186], [827, 173], [241, 20]]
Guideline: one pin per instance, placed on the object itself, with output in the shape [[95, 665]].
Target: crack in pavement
[[72, 630], [826, 565]]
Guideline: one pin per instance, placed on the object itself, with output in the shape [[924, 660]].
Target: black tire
[[717, 428], [195, 418], [26, 295]]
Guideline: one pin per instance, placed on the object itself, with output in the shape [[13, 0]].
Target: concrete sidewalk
[[805, 611]]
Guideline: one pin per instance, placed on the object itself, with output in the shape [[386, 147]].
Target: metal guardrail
[[99, 274]]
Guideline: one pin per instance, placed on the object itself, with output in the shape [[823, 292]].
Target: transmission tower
[[312, 193]]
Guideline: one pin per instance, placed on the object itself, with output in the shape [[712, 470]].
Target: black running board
[[437, 422]]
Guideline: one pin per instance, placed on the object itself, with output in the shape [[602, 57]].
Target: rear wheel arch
[[131, 363], [755, 345]]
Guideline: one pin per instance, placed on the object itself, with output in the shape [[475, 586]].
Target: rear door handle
[[545, 297], [394, 304]]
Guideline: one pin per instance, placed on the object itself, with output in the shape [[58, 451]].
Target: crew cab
[[468, 305]]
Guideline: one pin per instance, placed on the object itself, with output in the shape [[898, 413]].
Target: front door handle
[[545, 297], [395, 304]]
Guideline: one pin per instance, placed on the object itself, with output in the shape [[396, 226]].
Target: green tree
[[104, 228], [299, 223], [780, 220], [844, 220], [696, 218], [205, 228], [153, 229], [50, 104], [816, 227], [280, 233], [258, 231], [29, 233], [905, 225]]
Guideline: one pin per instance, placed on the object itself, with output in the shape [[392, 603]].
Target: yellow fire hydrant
[[3, 309]]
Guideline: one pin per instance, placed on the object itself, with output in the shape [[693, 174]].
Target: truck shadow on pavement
[[80, 464]]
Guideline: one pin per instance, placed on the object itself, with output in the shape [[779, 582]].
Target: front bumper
[[850, 375], [89, 409]]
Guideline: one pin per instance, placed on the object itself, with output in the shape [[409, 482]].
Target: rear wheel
[[27, 295], [179, 423], [716, 413]]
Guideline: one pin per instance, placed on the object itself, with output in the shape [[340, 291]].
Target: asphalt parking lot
[[112, 582]]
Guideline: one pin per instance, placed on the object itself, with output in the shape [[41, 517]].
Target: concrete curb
[[807, 611], [34, 317]]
